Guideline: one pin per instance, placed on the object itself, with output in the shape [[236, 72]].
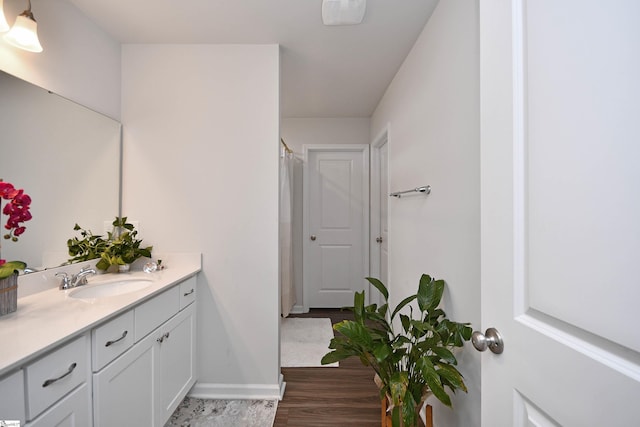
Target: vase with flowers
[[17, 210]]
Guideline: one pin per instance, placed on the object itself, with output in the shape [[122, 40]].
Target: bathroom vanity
[[121, 352]]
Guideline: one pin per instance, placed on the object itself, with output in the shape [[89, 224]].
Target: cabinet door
[[176, 362], [12, 401], [124, 392], [72, 411]]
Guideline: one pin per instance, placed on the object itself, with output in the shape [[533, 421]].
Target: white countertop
[[46, 319]]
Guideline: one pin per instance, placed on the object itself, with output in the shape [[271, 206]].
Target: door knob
[[491, 340], [379, 239], [313, 237]]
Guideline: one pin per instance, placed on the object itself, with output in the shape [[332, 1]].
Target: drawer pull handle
[[51, 381], [189, 293], [108, 343]]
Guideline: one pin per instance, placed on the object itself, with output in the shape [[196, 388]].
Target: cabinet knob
[[163, 337]]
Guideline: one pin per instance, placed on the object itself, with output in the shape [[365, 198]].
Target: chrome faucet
[[79, 279]]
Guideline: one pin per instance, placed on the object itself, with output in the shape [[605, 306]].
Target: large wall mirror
[[67, 158]]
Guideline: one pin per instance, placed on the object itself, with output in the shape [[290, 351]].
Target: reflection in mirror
[[67, 158]]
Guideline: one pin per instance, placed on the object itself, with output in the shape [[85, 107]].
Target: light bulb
[[24, 33]]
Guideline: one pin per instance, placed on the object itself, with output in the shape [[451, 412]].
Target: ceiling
[[339, 71]]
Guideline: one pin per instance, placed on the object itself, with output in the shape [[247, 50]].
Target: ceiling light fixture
[[343, 12], [24, 33]]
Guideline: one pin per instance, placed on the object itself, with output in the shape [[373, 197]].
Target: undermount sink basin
[[110, 288]]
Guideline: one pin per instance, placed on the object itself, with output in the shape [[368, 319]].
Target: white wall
[[201, 138], [298, 132], [79, 61], [432, 109]]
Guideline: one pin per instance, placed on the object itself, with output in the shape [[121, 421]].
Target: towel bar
[[425, 189]]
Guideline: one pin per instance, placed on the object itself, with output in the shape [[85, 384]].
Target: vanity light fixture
[[4, 27], [343, 12], [24, 33]]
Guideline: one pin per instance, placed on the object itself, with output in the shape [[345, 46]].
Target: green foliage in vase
[[119, 248], [410, 363]]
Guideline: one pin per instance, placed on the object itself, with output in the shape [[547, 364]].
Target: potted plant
[[120, 248], [409, 364]]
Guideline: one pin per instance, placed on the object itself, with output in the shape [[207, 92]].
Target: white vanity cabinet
[[144, 382]]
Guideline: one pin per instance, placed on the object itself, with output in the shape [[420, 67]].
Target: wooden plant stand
[[386, 419]]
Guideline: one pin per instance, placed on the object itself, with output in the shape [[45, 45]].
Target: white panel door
[[336, 204], [560, 211]]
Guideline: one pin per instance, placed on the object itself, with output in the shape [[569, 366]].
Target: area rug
[[303, 342], [223, 413]]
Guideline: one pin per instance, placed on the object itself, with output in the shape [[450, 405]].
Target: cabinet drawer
[[56, 374], [73, 410], [187, 292], [110, 340], [12, 401], [153, 313]]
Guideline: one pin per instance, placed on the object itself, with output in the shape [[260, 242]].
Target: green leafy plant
[[88, 246], [411, 363], [121, 246]]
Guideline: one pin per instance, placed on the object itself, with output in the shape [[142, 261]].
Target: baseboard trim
[[299, 309], [283, 385], [238, 391]]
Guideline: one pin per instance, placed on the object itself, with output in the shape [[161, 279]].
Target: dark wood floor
[[343, 396]]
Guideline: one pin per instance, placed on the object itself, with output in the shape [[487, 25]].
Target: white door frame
[[305, 207], [374, 247]]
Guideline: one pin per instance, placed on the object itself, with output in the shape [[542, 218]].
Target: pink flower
[[7, 191], [22, 198], [2, 261], [5, 187], [17, 209]]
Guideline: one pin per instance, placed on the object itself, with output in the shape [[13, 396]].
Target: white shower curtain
[[287, 291]]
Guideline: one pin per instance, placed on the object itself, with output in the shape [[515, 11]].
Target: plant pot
[[124, 268], [387, 406], [9, 294], [386, 417]]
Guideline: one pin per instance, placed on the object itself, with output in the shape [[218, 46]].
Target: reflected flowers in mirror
[[17, 209]]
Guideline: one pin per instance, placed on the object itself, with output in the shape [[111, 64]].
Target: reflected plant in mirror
[[121, 247], [17, 210], [89, 246]]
